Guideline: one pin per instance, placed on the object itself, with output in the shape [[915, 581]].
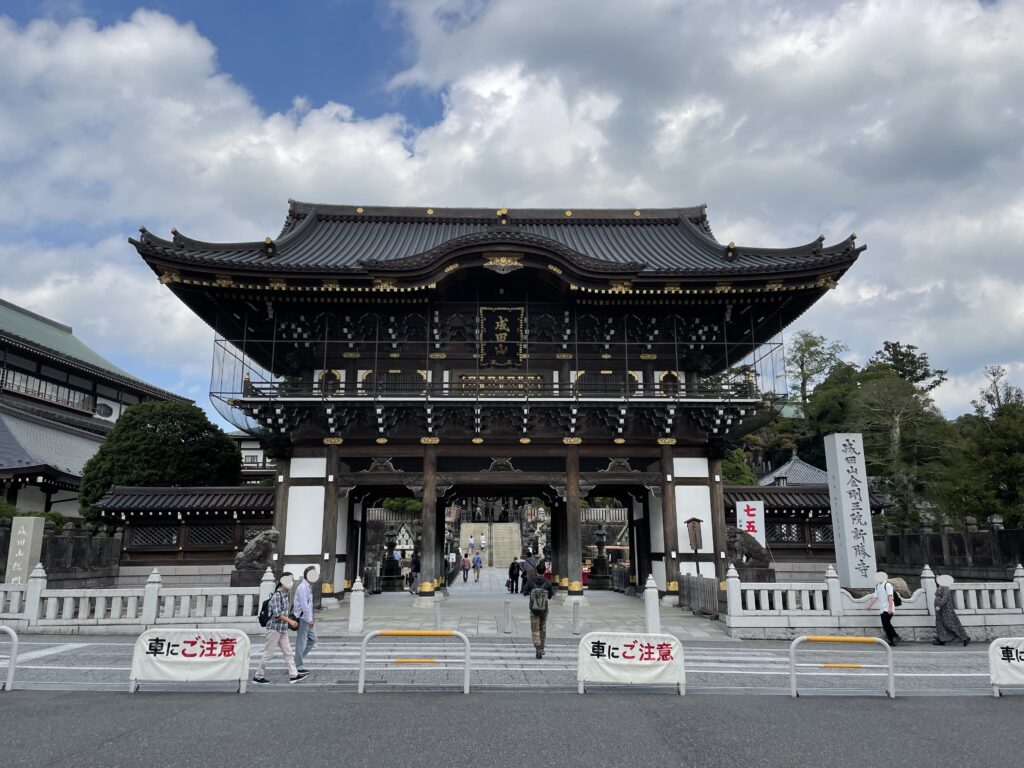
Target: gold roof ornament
[[477, 440], [503, 263], [572, 440], [666, 441], [333, 440], [430, 440], [828, 282], [382, 441]]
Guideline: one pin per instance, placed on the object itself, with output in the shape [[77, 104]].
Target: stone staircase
[[503, 541]]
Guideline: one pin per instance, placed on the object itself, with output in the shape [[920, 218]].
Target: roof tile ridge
[[36, 316]]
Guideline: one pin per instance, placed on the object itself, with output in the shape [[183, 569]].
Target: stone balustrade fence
[[35, 607], [785, 610]]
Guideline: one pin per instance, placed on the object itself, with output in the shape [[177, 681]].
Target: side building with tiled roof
[[59, 399]]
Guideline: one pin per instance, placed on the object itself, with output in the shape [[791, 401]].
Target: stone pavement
[[478, 609]]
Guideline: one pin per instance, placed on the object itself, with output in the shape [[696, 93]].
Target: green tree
[[160, 444], [908, 363], [403, 504], [735, 470], [810, 357], [8, 511]]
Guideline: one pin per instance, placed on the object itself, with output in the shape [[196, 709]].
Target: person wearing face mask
[[306, 638], [277, 633]]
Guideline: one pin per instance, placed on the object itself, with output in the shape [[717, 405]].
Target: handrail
[[891, 689], [12, 660], [413, 633]]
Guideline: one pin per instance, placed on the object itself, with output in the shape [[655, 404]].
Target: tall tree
[[809, 357], [735, 469], [160, 444], [908, 363]]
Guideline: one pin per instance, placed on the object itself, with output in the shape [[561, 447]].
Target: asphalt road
[[509, 729]]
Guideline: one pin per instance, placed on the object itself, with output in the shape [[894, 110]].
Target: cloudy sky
[[900, 121]]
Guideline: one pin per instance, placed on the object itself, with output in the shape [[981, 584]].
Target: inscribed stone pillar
[[851, 510], [574, 544], [24, 551]]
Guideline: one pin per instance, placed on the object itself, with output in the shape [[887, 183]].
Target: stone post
[[733, 592], [151, 598], [1018, 576], [267, 586], [835, 593], [356, 606], [652, 616], [928, 585], [34, 594]]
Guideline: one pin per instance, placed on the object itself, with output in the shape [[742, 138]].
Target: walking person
[[883, 597], [539, 591], [471, 544], [415, 572], [306, 638], [483, 542], [277, 633], [466, 565], [478, 563], [513, 575], [947, 623]]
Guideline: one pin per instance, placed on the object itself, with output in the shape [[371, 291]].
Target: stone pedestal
[[391, 578], [246, 578], [600, 574], [755, 573]]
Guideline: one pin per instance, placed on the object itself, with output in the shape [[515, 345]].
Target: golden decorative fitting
[[501, 212], [504, 221], [477, 440], [572, 440], [437, 355], [636, 213], [666, 441], [230, 401], [672, 586], [672, 288], [564, 583], [773, 285], [333, 440], [568, 213], [575, 586], [326, 588], [359, 210], [619, 440], [648, 356], [620, 286], [427, 588], [277, 284], [331, 285], [224, 281], [168, 276], [723, 287], [430, 211], [827, 281], [382, 441], [607, 373], [451, 268], [348, 585], [384, 284], [268, 240], [430, 440], [503, 263], [395, 355], [554, 269], [606, 356], [563, 356], [524, 440], [350, 355]]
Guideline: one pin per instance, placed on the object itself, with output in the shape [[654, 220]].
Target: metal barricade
[[414, 633], [12, 660], [891, 688]]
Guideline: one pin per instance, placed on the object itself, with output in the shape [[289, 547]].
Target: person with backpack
[[478, 563], [466, 565], [274, 616], [306, 638], [887, 599], [539, 591]]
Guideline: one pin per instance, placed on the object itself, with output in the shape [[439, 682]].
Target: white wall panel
[[315, 466], [305, 527]]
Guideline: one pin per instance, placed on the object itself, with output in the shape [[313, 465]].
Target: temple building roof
[[31, 446], [784, 499], [796, 471], [340, 238], [214, 499]]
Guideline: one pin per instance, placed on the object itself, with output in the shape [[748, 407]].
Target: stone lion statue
[[257, 553], [745, 549]]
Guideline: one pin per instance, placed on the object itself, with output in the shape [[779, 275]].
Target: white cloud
[[900, 120]]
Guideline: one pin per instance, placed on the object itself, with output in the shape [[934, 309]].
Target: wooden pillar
[[557, 546], [574, 553], [643, 540], [282, 467], [330, 530], [428, 558], [718, 517], [668, 516]]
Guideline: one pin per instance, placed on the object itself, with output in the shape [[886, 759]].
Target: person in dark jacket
[[539, 592], [513, 575]]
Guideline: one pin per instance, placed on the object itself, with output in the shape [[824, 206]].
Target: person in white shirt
[[883, 598]]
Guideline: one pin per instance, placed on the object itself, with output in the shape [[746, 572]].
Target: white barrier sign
[[630, 659], [1006, 661], [750, 519], [191, 656]]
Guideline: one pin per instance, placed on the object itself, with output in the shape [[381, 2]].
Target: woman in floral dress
[[947, 623]]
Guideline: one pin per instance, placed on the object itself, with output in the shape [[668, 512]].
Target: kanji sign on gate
[[630, 659], [750, 519], [190, 656]]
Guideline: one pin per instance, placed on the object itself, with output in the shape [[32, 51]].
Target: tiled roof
[[319, 238], [247, 498], [788, 498], [28, 445], [797, 472]]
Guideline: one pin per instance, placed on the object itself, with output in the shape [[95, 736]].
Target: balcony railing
[[32, 386]]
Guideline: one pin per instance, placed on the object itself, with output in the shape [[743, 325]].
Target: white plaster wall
[[688, 467], [31, 499], [694, 501], [657, 531], [309, 467], [304, 531]]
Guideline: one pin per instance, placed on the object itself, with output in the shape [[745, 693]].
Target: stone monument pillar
[[25, 549]]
